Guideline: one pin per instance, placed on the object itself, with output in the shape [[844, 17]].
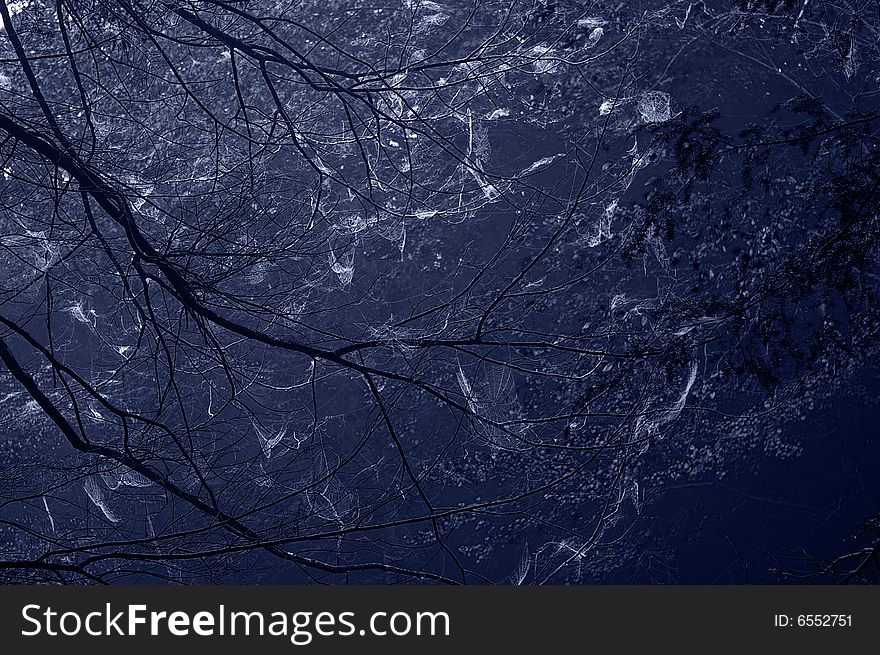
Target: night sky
[[505, 291]]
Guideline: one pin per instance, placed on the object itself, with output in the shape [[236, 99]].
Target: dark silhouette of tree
[[336, 293]]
